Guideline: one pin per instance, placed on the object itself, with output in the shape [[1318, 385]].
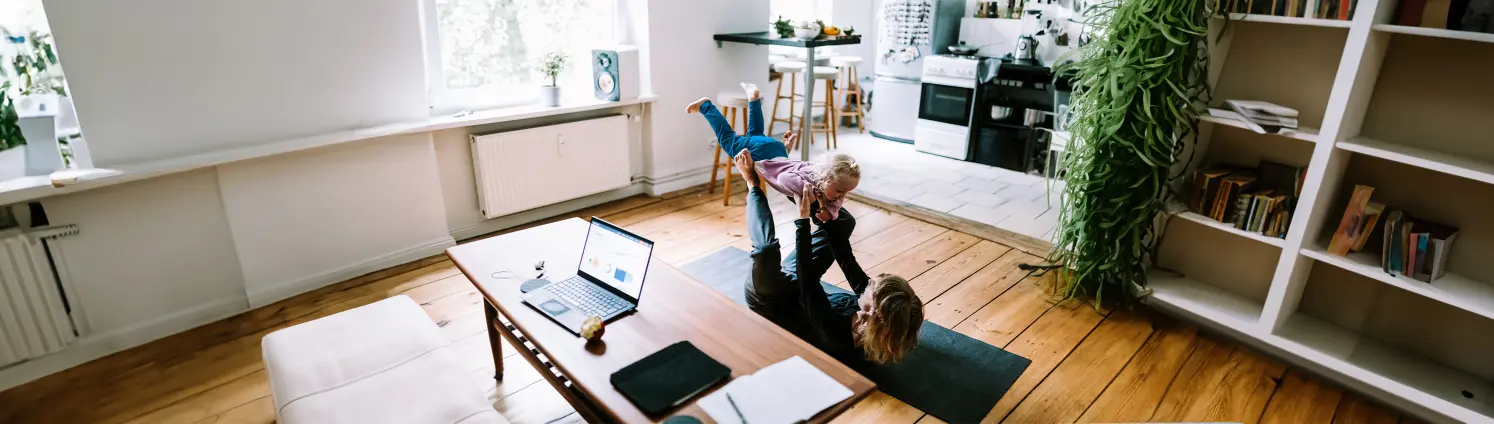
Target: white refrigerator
[[907, 31]]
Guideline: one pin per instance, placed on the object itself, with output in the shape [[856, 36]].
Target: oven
[[946, 105]]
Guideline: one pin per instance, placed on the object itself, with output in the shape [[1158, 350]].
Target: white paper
[[786, 392]]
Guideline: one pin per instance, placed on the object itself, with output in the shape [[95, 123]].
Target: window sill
[[30, 188]]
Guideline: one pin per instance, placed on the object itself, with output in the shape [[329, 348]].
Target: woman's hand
[[805, 199], [824, 214]]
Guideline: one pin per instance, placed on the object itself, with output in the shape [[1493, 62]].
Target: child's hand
[[805, 199], [790, 139]]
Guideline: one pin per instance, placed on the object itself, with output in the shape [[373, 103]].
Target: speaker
[[615, 73]]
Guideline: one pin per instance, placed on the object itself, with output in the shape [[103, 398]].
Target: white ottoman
[[385, 362]]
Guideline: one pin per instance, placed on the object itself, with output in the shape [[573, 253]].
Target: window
[[479, 53]]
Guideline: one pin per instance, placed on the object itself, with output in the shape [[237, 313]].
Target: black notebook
[[668, 377]]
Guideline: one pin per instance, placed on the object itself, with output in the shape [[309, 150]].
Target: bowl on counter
[[807, 33]]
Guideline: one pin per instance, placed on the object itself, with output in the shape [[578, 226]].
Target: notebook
[[668, 377], [786, 392]]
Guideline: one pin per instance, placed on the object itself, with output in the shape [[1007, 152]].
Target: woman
[[878, 324]]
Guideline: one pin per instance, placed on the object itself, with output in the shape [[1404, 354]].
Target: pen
[[734, 408]]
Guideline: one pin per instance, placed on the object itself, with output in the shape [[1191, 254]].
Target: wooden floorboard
[[1088, 365]]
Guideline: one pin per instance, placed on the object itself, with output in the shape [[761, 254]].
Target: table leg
[[805, 125], [494, 339]]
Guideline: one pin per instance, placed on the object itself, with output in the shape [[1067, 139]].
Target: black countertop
[[769, 38]]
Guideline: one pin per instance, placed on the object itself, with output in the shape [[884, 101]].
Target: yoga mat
[[949, 375]]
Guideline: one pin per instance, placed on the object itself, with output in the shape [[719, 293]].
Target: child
[[829, 177]]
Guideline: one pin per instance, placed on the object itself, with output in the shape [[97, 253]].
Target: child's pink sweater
[[790, 176]]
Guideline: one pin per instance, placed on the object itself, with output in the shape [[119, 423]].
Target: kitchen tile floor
[[1013, 201]]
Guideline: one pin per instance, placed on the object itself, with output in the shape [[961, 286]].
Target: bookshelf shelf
[[1441, 162], [1209, 222], [1421, 348], [1376, 364], [1308, 134], [1436, 32], [1452, 289], [1286, 20], [1220, 306]]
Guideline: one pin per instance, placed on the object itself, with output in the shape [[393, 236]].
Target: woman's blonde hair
[[834, 166], [891, 331]]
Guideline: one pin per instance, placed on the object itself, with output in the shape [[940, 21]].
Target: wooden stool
[[850, 88], [790, 71], [827, 74], [732, 105]]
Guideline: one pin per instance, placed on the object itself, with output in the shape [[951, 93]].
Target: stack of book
[[1408, 246], [1459, 15], [1342, 10], [1259, 200], [1258, 116]]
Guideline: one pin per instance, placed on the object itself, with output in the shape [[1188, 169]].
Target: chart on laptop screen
[[616, 258]]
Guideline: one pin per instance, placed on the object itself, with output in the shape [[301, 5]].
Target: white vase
[[550, 96]]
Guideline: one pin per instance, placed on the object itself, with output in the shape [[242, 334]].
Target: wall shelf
[[1436, 32], [1386, 368], [1210, 222], [1452, 289], [1285, 20], [1461, 166], [1308, 134], [1209, 302]]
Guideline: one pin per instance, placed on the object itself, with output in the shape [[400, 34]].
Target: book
[[1372, 212], [1352, 222], [1264, 117], [1421, 271], [1390, 254], [1207, 182], [1343, 10], [786, 392], [1405, 246], [1435, 14], [1439, 243], [1240, 210], [1408, 12], [1230, 188]]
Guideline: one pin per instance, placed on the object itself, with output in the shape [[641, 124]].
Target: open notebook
[[786, 392]]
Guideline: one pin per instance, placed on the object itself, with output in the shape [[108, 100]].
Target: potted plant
[[551, 65], [30, 108], [12, 141], [783, 27], [1139, 86]]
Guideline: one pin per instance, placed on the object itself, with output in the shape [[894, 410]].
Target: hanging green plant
[[1139, 86]]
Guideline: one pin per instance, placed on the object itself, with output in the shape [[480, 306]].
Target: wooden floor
[[1087, 365]]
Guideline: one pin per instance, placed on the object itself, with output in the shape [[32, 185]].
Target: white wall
[[156, 79], [303, 220], [162, 255], [859, 14], [687, 65]]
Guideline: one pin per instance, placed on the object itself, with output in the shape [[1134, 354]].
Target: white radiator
[[525, 169], [34, 317]]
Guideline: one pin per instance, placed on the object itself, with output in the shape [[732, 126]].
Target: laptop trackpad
[[554, 307]]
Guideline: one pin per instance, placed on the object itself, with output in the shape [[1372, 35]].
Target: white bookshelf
[[1434, 32], [1452, 289], [1461, 166], [1308, 134], [1285, 20], [1402, 109], [1210, 222]]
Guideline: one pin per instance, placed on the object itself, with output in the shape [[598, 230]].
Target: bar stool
[[829, 75], [733, 105], [788, 70], [850, 85]]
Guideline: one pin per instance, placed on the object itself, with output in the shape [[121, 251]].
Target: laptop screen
[[616, 257]]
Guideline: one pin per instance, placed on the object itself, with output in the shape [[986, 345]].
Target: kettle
[[1026, 47]]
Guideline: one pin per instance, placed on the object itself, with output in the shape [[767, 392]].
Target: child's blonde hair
[[891, 331], [834, 166]]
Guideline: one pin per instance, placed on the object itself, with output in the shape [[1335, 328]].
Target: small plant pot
[[550, 96]]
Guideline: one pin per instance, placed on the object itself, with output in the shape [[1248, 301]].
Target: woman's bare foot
[[695, 107], [752, 91]]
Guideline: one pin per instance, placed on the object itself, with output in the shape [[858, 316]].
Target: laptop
[[607, 283]]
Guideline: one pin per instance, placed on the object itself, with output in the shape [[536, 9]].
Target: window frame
[[444, 101]]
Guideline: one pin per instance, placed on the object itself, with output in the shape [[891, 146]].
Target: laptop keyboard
[[589, 298]]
